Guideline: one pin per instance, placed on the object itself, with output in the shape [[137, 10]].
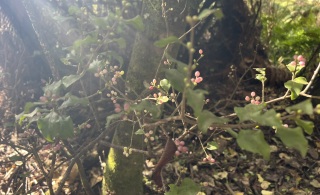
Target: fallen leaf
[[315, 183], [266, 192]]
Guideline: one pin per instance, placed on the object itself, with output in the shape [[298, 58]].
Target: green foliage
[[294, 138], [290, 27], [149, 106], [164, 42], [207, 118], [195, 99], [187, 187], [54, 125], [253, 141]]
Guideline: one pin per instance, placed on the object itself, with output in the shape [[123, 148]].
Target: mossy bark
[[123, 175]]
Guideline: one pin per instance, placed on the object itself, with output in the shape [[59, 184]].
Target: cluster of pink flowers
[[254, 99], [181, 148], [209, 159], [198, 78], [298, 59], [113, 69]]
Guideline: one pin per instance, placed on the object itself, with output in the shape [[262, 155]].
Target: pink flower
[[197, 74], [198, 79], [302, 63], [301, 58]]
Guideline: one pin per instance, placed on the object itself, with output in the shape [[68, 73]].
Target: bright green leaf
[[162, 99], [293, 138], [207, 118], [164, 42], [307, 126], [301, 80], [305, 107], [294, 87], [253, 141], [212, 145], [187, 187], [207, 12], [195, 99], [136, 23], [165, 85], [139, 132]]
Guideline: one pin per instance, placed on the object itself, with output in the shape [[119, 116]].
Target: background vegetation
[[159, 97]]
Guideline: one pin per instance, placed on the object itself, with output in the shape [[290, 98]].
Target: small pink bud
[[247, 98], [253, 101], [154, 81], [181, 143], [184, 149], [117, 105], [177, 153], [177, 142], [88, 126], [197, 74], [180, 148], [253, 94], [151, 87], [117, 110], [43, 99], [126, 106], [200, 51], [295, 57]]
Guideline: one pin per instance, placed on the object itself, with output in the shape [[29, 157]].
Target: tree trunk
[[124, 174]]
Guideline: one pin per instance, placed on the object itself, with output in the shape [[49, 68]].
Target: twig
[[83, 177]]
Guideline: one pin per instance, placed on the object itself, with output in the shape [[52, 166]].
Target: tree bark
[[124, 174]]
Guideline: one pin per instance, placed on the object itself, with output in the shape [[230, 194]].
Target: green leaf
[[253, 112], [293, 138], [85, 42], [212, 145], [164, 42], [165, 85], [294, 87], [162, 99], [136, 23], [249, 112], [148, 106], [207, 118], [139, 132], [253, 141], [305, 107], [195, 99], [307, 126], [67, 81], [55, 126], [187, 187], [176, 79], [121, 42], [74, 101], [53, 88], [301, 80], [112, 117]]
